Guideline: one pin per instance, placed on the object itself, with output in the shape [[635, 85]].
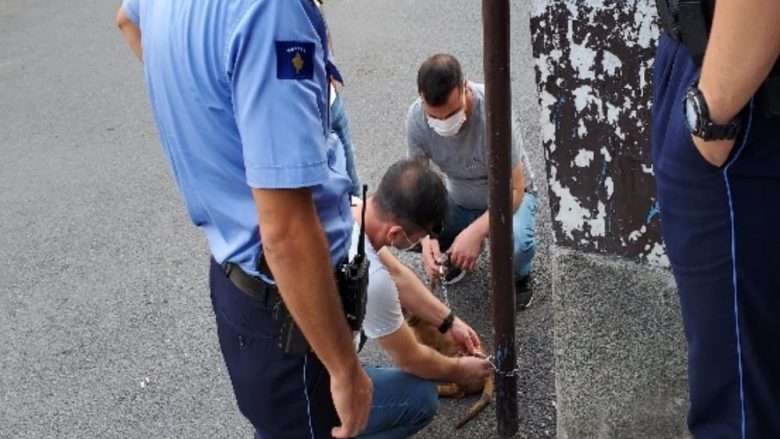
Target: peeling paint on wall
[[593, 69]]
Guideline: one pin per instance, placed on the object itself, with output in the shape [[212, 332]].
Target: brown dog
[[429, 335]]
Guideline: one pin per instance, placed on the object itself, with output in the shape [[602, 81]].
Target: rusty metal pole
[[498, 97]]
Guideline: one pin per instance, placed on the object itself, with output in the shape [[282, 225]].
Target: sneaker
[[453, 276], [524, 292]]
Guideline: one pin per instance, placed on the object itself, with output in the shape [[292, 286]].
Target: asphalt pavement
[[106, 329]]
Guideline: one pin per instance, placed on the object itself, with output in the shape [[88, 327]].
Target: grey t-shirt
[[463, 157]]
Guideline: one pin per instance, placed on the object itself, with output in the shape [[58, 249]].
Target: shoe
[[524, 292], [453, 276]]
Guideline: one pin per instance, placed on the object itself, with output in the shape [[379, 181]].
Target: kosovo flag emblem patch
[[294, 60]]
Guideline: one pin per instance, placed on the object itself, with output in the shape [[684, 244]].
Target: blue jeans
[[339, 124], [523, 226], [402, 405]]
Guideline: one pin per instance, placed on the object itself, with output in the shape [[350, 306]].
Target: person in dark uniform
[[716, 154], [239, 92]]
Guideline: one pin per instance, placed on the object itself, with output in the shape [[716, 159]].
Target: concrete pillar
[[619, 349]]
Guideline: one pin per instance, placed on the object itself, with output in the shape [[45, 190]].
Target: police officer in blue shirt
[[239, 92], [716, 154]]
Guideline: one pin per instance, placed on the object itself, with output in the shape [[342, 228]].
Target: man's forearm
[[131, 32], [297, 254], [743, 46], [418, 359], [414, 296], [427, 363], [482, 223]]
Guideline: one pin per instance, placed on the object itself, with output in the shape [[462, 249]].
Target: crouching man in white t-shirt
[[409, 204]]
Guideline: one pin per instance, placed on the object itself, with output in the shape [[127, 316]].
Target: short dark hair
[[437, 77], [414, 195]]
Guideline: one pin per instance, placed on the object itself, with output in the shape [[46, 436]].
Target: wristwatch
[[447, 323], [697, 113]]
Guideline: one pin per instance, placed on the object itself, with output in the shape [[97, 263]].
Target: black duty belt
[[252, 286]]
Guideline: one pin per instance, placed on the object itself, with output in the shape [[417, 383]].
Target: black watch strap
[[447, 323], [704, 127]]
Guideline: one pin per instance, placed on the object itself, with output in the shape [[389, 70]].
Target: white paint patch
[[610, 186], [583, 95], [582, 59], [573, 8], [619, 133], [627, 103], [636, 234], [647, 169], [596, 4], [571, 215], [583, 158], [605, 153], [613, 113], [582, 130], [548, 126], [545, 64], [644, 19], [657, 256], [611, 63], [598, 224], [539, 7]]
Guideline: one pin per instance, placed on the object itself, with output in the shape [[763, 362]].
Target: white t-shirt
[[383, 308]]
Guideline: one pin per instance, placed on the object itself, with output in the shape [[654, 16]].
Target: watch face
[[692, 112]]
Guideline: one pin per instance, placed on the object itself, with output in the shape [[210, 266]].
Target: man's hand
[[466, 248], [431, 255], [716, 152], [351, 395], [465, 338], [473, 371]]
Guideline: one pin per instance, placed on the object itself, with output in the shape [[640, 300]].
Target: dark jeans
[[282, 396], [720, 226]]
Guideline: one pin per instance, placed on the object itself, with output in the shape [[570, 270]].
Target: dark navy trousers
[[721, 227], [283, 396]]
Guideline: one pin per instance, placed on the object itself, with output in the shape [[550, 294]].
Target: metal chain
[[511, 373], [490, 358], [443, 285]]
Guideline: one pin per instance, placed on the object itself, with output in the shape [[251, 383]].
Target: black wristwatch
[[447, 323], [697, 113]]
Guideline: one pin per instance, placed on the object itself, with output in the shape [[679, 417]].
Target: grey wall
[[620, 369], [619, 353]]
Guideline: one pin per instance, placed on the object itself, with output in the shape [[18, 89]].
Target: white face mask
[[412, 244], [449, 126]]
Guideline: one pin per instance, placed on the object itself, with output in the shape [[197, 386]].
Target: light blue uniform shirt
[[239, 92]]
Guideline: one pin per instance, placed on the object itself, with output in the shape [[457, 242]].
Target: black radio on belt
[[352, 278], [352, 284]]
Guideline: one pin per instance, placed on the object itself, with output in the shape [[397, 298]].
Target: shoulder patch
[[294, 60]]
